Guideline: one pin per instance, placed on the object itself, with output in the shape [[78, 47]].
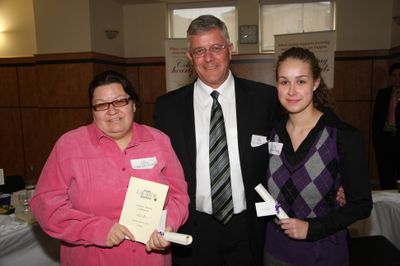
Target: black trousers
[[218, 244], [387, 153]]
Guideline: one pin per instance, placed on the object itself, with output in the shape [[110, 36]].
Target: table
[[384, 219], [26, 244]]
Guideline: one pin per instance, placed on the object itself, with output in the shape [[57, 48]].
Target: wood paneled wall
[[358, 77], [46, 95]]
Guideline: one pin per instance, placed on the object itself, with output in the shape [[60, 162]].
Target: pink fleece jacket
[[82, 187]]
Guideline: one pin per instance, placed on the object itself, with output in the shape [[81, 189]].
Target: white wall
[[17, 28], [145, 30], [62, 26], [146, 27], [396, 27], [106, 14], [363, 24], [248, 14]]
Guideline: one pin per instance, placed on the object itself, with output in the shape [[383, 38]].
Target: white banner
[[321, 43], [178, 69]]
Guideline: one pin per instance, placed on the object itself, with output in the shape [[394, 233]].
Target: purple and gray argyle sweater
[[307, 190]]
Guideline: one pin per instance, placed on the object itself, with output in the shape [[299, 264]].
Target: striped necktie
[[221, 191]]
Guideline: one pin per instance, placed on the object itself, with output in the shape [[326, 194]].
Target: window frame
[[283, 2], [233, 33]]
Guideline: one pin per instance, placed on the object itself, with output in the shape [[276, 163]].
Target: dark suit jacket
[[256, 106], [380, 115]]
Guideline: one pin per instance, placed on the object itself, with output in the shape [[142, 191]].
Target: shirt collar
[[140, 134], [226, 90]]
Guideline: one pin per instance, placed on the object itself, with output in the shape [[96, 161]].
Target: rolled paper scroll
[[178, 238], [173, 237], [264, 194]]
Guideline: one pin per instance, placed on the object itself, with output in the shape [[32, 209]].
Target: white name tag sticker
[[275, 148], [265, 209], [258, 140], [144, 163]]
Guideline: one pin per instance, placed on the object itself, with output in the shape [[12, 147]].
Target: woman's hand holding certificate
[[142, 208], [142, 213], [117, 234]]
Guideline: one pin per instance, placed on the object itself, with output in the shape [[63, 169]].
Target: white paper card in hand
[[264, 194], [265, 209], [275, 148], [258, 140], [163, 220], [144, 201]]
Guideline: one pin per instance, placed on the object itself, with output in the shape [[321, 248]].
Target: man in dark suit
[[248, 109], [386, 130]]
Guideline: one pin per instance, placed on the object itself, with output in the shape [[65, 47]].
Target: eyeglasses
[[115, 103], [214, 49]]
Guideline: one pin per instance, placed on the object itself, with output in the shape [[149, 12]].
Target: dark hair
[[393, 68], [108, 77], [206, 23], [322, 96]]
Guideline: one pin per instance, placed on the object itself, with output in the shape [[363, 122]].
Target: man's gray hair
[[204, 24]]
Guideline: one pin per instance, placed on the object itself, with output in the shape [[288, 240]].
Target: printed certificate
[[142, 208]]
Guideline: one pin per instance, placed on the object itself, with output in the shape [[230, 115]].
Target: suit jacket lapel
[[243, 116], [186, 111]]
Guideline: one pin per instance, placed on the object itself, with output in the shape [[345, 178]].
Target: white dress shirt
[[202, 112]]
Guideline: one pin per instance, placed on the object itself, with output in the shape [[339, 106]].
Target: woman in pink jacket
[[82, 187]]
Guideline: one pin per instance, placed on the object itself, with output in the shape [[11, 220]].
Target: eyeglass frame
[[113, 103], [203, 50]]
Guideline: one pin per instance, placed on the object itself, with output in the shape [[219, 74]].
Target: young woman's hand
[[294, 228]]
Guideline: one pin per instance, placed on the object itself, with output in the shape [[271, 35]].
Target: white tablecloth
[[25, 244], [384, 219]]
